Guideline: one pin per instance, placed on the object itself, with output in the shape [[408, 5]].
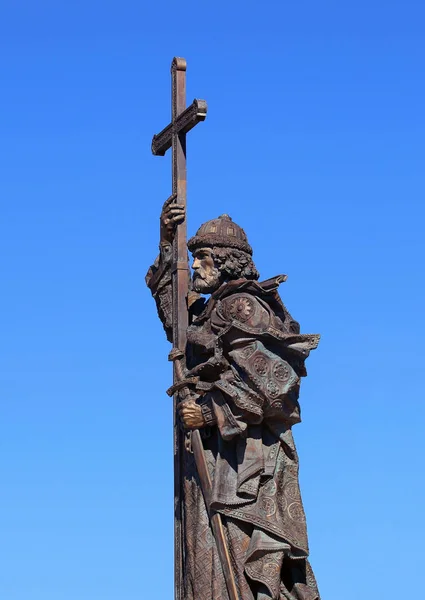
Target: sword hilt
[[181, 382]]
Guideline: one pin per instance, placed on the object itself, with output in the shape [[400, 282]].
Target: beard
[[206, 282]]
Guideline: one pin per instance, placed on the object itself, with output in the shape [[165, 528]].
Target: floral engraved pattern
[[270, 488], [273, 390], [260, 365], [281, 372], [268, 506], [292, 490], [248, 351], [296, 512], [241, 309], [271, 568]]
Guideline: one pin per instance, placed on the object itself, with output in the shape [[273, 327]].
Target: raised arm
[[158, 277]]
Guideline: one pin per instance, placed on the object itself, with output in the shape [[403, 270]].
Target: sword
[[205, 480]]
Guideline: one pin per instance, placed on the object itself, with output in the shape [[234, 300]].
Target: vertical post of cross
[[174, 136], [180, 276], [180, 265]]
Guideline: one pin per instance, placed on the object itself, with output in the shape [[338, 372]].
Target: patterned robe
[[248, 355]]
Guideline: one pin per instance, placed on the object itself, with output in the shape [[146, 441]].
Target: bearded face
[[207, 276]]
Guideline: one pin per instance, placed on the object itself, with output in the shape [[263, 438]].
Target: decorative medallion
[[268, 506], [260, 365], [281, 371], [296, 512], [270, 488], [248, 351], [241, 308], [277, 405], [292, 490], [273, 390]]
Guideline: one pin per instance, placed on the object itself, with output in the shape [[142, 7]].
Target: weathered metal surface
[[194, 114], [194, 445], [174, 136], [238, 362]]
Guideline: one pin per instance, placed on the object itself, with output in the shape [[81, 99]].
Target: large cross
[[174, 136]]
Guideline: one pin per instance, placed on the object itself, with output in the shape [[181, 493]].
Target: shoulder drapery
[[248, 355]]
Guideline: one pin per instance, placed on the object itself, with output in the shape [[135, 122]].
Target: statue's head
[[221, 252]]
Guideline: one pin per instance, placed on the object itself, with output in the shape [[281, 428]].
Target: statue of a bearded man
[[248, 355]]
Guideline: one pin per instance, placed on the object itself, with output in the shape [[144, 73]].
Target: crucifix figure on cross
[[238, 359]]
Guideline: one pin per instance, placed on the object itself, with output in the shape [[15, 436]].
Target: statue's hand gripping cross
[[174, 135]]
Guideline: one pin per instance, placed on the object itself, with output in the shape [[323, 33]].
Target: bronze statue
[[238, 358]]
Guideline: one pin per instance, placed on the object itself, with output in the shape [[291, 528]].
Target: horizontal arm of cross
[[186, 120]]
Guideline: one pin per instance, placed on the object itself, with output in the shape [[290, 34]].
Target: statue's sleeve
[[158, 280], [262, 382]]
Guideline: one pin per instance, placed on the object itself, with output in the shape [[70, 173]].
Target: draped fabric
[[248, 355]]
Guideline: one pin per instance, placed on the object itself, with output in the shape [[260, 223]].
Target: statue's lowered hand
[[191, 414]]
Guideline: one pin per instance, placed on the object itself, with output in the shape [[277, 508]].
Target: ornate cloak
[[248, 355]]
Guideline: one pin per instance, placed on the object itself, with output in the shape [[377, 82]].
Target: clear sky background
[[314, 143]]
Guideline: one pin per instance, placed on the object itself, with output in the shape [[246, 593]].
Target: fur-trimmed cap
[[221, 232]]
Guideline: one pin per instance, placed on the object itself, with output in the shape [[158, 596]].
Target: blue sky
[[314, 143]]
